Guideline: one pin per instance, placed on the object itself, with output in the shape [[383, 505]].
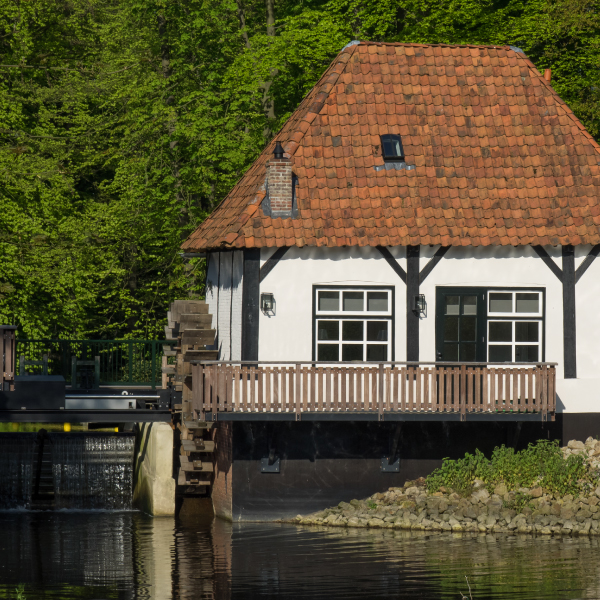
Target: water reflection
[[128, 555]]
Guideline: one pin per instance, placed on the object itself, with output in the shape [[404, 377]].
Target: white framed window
[[353, 324], [514, 302], [515, 325]]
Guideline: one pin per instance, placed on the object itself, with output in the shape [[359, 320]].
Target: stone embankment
[[527, 510]]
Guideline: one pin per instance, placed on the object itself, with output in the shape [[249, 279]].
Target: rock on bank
[[526, 510]]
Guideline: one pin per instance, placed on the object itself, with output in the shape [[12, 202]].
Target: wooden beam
[[585, 265], [272, 261], [435, 259], [392, 262], [569, 320], [195, 320], [412, 289], [198, 445], [250, 304], [549, 262], [198, 337]]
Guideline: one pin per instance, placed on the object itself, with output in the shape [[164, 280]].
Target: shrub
[[541, 464]]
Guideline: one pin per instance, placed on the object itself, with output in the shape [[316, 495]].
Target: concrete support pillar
[[154, 486]]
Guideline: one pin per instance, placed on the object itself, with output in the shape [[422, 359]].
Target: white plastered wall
[[288, 334], [224, 298]]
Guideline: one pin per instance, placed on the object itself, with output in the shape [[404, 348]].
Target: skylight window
[[392, 149]]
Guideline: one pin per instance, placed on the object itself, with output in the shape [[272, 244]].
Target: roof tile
[[499, 158]]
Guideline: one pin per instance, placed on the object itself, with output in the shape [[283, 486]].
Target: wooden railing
[[277, 387]]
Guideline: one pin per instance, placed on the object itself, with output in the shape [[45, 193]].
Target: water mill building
[[406, 272]]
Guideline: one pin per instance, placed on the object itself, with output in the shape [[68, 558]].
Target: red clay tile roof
[[500, 159]]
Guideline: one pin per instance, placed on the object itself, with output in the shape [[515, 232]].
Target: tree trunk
[[270, 17], [171, 125], [173, 146], [268, 103], [242, 19]]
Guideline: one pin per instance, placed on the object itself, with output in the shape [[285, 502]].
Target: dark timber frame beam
[[413, 255], [435, 259], [253, 276], [392, 262], [539, 250], [569, 276], [250, 304], [569, 321], [413, 279], [588, 260], [272, 261]]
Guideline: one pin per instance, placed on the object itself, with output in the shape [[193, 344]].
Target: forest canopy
[[123, 123]]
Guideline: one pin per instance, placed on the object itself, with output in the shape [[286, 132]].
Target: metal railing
[[122, 362], [377, 388]]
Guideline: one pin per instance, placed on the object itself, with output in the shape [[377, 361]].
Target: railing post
[[153, 369], [544, 393], [73, 372], [130, 362], [380, 392], [215, 390], [553, 394], [96, 372], [64, 366], [8, 351], [297, 389], [463, 393]]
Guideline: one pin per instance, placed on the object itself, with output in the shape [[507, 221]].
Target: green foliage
[[20, 592], [541, 464], [124, 122], [519, 502], [372, 505]]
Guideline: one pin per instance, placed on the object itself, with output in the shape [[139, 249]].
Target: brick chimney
[[279, 181]]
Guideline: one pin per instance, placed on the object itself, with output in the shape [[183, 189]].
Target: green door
[[460, 324]]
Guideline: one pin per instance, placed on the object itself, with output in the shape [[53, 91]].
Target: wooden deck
[[386, 391]]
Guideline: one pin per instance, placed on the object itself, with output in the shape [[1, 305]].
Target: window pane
[[354, 301], [328, 352], [352, 352], [500, 303], [527, 331], [500, 331], [526, 353], [500, 353], [329, 301], [328, 330], [376, 352], [377, 331], [392, 147], [469, 305], [352, 330], [467, 352], [528, 303], [450, 352], [468, 329], [377, 301], [451, 329], [452, 305]]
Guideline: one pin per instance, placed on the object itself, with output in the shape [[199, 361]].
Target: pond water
[[97, 555]]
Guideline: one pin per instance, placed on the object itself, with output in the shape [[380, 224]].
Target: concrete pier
[[154, 485]]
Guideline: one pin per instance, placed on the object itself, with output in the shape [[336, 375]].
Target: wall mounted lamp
[[267, 303], [420, 305]]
